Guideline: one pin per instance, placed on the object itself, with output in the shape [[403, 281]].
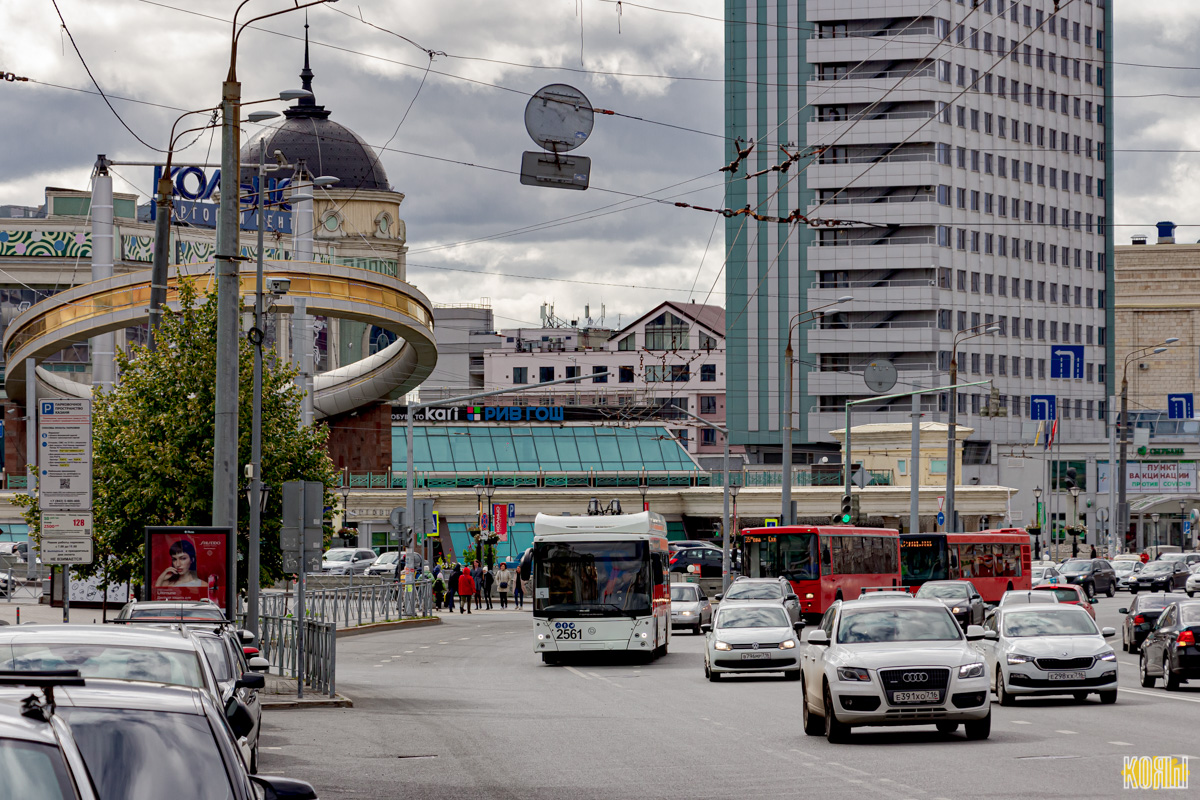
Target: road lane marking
[[1161, 696], [462, 638], [1068, 733], [264, 747], [377, 666], [408, 652], [1021, 722], [1122, 744], [578, 672], [426, 647]]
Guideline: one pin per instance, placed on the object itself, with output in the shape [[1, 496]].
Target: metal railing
[[14, 586], [866, 283], [351, 606], [316, 666], [872, 116], [866, 33], [833, 160], [843, 200], [535, 479], [833, 477], [868, 75], [869, 242]]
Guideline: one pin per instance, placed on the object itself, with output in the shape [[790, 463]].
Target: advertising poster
[[187, 564]]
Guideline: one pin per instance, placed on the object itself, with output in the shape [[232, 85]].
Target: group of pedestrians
[[474, 586]]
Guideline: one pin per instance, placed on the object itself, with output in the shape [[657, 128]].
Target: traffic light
[[855, 511], [846, 516]]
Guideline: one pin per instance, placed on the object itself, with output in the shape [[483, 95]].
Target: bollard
[[18, 615]]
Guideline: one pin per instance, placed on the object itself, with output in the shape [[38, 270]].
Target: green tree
[[152, 445]]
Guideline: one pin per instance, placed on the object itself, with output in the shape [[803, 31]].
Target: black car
[[1093, 574], [1170, 651], [961, 597], [706, 560], [1160, 576], [1140, 617]]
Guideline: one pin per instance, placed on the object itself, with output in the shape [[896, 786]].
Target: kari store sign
[[1153, 477]]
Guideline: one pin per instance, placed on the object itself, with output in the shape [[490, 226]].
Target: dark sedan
[[961, 597], [1093, 574], [1140, 617], [1170, 651], [707, 562], [1160, 576]]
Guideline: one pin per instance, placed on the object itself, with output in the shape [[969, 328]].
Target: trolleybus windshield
[[591, 579]]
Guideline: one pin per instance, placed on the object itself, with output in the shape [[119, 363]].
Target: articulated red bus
[[995, 561], [823, 563]]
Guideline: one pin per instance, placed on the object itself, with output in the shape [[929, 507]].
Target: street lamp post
[[643, 486], [1122, 521], [1037, 511], [1154, 519], [1182, 516], [733, 492], [488, 491], [788, 355], [951, 431], [1075, 524]]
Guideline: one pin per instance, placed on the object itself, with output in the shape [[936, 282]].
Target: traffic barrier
[[350, 606], [317, 665]]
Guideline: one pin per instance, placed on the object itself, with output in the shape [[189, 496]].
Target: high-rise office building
[[958, 154]]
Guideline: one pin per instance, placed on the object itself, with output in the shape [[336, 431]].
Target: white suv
[[902, 664]]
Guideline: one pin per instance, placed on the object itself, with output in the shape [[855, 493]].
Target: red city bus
[[823, 563], [995, 561]]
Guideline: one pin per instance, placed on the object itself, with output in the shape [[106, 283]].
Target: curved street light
[[973, 332], [1121, 517]]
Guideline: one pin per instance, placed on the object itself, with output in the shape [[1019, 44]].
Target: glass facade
[[475, 448]]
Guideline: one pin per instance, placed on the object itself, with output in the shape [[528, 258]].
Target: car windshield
[[218, 657], [947, 591], [1048, 622], [1077, 567], [1028, 597], [132, 755], [1158, 566], [177, 612], [1065, 594], [387, 558], [755, 591], [176, 667], [1189, 613], [859, 626], [1121, 567], [684, 593], [1039, 572], [339, 555], [591, 578], [1152, 602], [33, 770], [743, 617]]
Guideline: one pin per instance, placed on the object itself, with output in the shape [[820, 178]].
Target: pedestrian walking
[[439, 591], [489, 581], [1093, 551], [466, 588], [477, 577], [518, 589], [504, 583], [452, 587]]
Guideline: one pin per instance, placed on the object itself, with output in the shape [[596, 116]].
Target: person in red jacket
[[466, 588]]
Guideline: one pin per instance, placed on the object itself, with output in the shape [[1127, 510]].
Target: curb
[[338, 701], [388, 626]]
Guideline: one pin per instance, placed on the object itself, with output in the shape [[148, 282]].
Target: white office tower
[[959, 154]]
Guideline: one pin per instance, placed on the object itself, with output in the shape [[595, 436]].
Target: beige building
[[886, 447]]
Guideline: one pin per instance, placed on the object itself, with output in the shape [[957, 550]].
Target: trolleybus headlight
[[808, 596], [722, 645], [541, 636]]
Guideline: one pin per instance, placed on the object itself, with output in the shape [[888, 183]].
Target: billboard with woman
[[187, 564]]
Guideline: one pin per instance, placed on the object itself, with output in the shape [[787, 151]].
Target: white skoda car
[[895, 664]]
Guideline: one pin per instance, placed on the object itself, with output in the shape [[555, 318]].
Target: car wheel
[[836, 732], [1170, 681], [1111, 590], [1147, 679], [1080, 697], [813, 725], [1190, 593], [978, 729], [1089, 591], [712, 676], [793, 675], [947, 727], [1132, 589], [254, 760], [696, 630], [1124, 640], [1004, 697], [1109, 697]]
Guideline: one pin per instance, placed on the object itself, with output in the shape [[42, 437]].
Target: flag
[[1037, 437], [1052, 434]]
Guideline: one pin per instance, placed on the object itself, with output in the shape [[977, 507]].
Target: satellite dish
[[880, 375], [559, 118]]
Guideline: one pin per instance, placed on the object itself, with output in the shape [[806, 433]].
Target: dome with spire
[[327, 147]]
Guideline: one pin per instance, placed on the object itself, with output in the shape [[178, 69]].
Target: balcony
[[878, 294], [837, 10], [892, 256], [869, 129], [872, 337], [864, 87]]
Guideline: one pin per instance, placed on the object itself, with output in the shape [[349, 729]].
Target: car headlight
[[976, 670], [852, 674], [685, 613], [788, 645], [957, 610], [719, 645], [1017, 658], [1108, 655]]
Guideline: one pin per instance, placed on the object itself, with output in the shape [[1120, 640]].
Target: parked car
[[707, 562], [235, 678], [1160, 576], [1192, 584], [347, 560], [961, 597], [752, 637], [1069, 594], [690, 607], [1170, 651], [1126, 569], [1189, 558], [35, 751], [1139, 619], [776, 590], [1093, 574], [1049, 650], [167, 611], [385, 565], [689, 544]]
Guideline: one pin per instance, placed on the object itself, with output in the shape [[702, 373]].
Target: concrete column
[[103, 347]]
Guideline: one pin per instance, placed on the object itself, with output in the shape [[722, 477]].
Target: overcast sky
[[639, 253]]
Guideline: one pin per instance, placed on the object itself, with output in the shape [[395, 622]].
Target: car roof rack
[[46, 680]]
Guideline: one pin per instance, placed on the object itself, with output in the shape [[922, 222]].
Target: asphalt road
[[467, 710]]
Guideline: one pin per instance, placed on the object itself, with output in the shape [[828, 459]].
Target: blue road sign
[[1043, 407], [1180, 406], [1187, 530], [772, 523], [1066, 361], [512, 512], [941, 518]]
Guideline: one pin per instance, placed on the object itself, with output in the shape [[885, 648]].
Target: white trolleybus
[[600, 583]]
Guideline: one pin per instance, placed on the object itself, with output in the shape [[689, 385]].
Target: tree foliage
[[153, 443]]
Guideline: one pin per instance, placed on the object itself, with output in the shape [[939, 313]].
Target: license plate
[[1066, 676], [915, 697], [755, 656]]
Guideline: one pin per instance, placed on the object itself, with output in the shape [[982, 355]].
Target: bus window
[[984, 561], [966, 560], [837, 567], [798, 557], [921, 559]]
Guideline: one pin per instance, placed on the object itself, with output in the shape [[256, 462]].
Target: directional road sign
[[1066, 361], [64, 455], [1043, 407], [772, 523], [941, 503], [1180, 406], [941, 518]]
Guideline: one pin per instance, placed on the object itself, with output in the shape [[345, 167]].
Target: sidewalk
[[44, 614]]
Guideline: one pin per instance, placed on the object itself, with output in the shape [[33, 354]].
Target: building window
[[680, 373], [708, 404], [708, 436], [708, 373], [572, 372], [520, 375], [599, 378], [707, 342], [628, 343], [666, 332], [545, 374], [625, 374]]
